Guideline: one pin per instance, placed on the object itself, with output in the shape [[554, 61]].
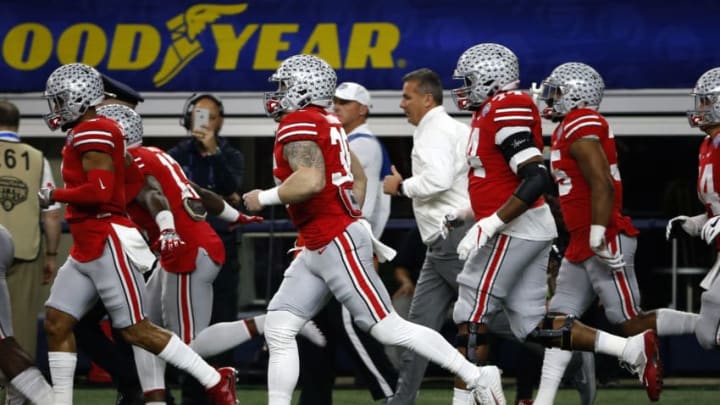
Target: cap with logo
[[352, 91]]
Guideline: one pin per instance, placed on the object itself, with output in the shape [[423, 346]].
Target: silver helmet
[[570, 85], [70, 90], [707, 100], [129, 120], [302, 80], [485, 69]]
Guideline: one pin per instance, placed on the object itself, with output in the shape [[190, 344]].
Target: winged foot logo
[[184, 28]]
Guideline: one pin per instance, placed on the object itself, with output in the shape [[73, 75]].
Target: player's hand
[[45, 196], [454, 219], [684, 223], [169, 241], [599, 246], [710, 230], [243, 219], [478, 235], [251, 200]]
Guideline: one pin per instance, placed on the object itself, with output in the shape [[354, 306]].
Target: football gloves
[[478, 235], [45, 196], [169, 240], [710, 230], [243, 219], [690, 225], [599, 246], [454, 219]]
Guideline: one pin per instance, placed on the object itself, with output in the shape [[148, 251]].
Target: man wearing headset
[[211, 162]]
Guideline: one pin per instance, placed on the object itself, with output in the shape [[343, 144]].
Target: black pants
[[317, 364]]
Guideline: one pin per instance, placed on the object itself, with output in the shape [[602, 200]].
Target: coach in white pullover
[[438, 186]]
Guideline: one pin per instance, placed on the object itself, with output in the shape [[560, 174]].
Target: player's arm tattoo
[[304, 154]]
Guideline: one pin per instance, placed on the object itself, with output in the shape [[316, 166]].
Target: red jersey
[[326, 214], [90, 224], [574, 190], [491, 180], [176, 187], [708, 182]]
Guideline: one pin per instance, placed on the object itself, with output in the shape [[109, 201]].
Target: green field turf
[[253, 395]]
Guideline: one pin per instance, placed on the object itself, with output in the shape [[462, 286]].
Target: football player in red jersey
[[314, 168], [507, 249], [599, 260], [706, 116], [180, 297], [108, 253]]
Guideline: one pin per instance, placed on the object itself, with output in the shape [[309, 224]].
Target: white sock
[[553, 369], [181, 356], [155, 403], [672, 322], [220, 337], [33, 386], [393, 330], [461, 397], [62, 371], [284, 361], [260, 324], [150, 370], [612, 345]]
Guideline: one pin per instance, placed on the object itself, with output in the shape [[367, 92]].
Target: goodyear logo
[[13, 191], [137, 47]]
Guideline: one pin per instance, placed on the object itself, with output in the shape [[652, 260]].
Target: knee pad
[[281, 327], [471, 341], [547, 336]]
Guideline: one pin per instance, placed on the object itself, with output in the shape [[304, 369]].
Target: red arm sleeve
[[97, 190]]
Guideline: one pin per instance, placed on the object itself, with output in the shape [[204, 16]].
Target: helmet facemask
[[61, 115]]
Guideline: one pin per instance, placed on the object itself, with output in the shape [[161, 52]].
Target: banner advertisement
[[235, 45]]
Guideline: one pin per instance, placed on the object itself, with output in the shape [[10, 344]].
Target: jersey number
[[706, 189], [343, 180], [186, 191], [478, 170]]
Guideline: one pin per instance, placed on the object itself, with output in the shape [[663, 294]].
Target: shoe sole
[[653, 373]]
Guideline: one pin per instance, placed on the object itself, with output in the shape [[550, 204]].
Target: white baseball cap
[[353, 92]]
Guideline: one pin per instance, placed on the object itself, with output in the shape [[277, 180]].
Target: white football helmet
[[707, 100], [302, 80], [129, 120], [70, 90], [570, 85], [485, 69]]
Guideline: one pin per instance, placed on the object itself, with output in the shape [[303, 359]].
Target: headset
[[186, 119]]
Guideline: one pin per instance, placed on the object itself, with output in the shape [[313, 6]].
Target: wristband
[[270, 197], [228, 214], [597, 234], [164, 220]]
